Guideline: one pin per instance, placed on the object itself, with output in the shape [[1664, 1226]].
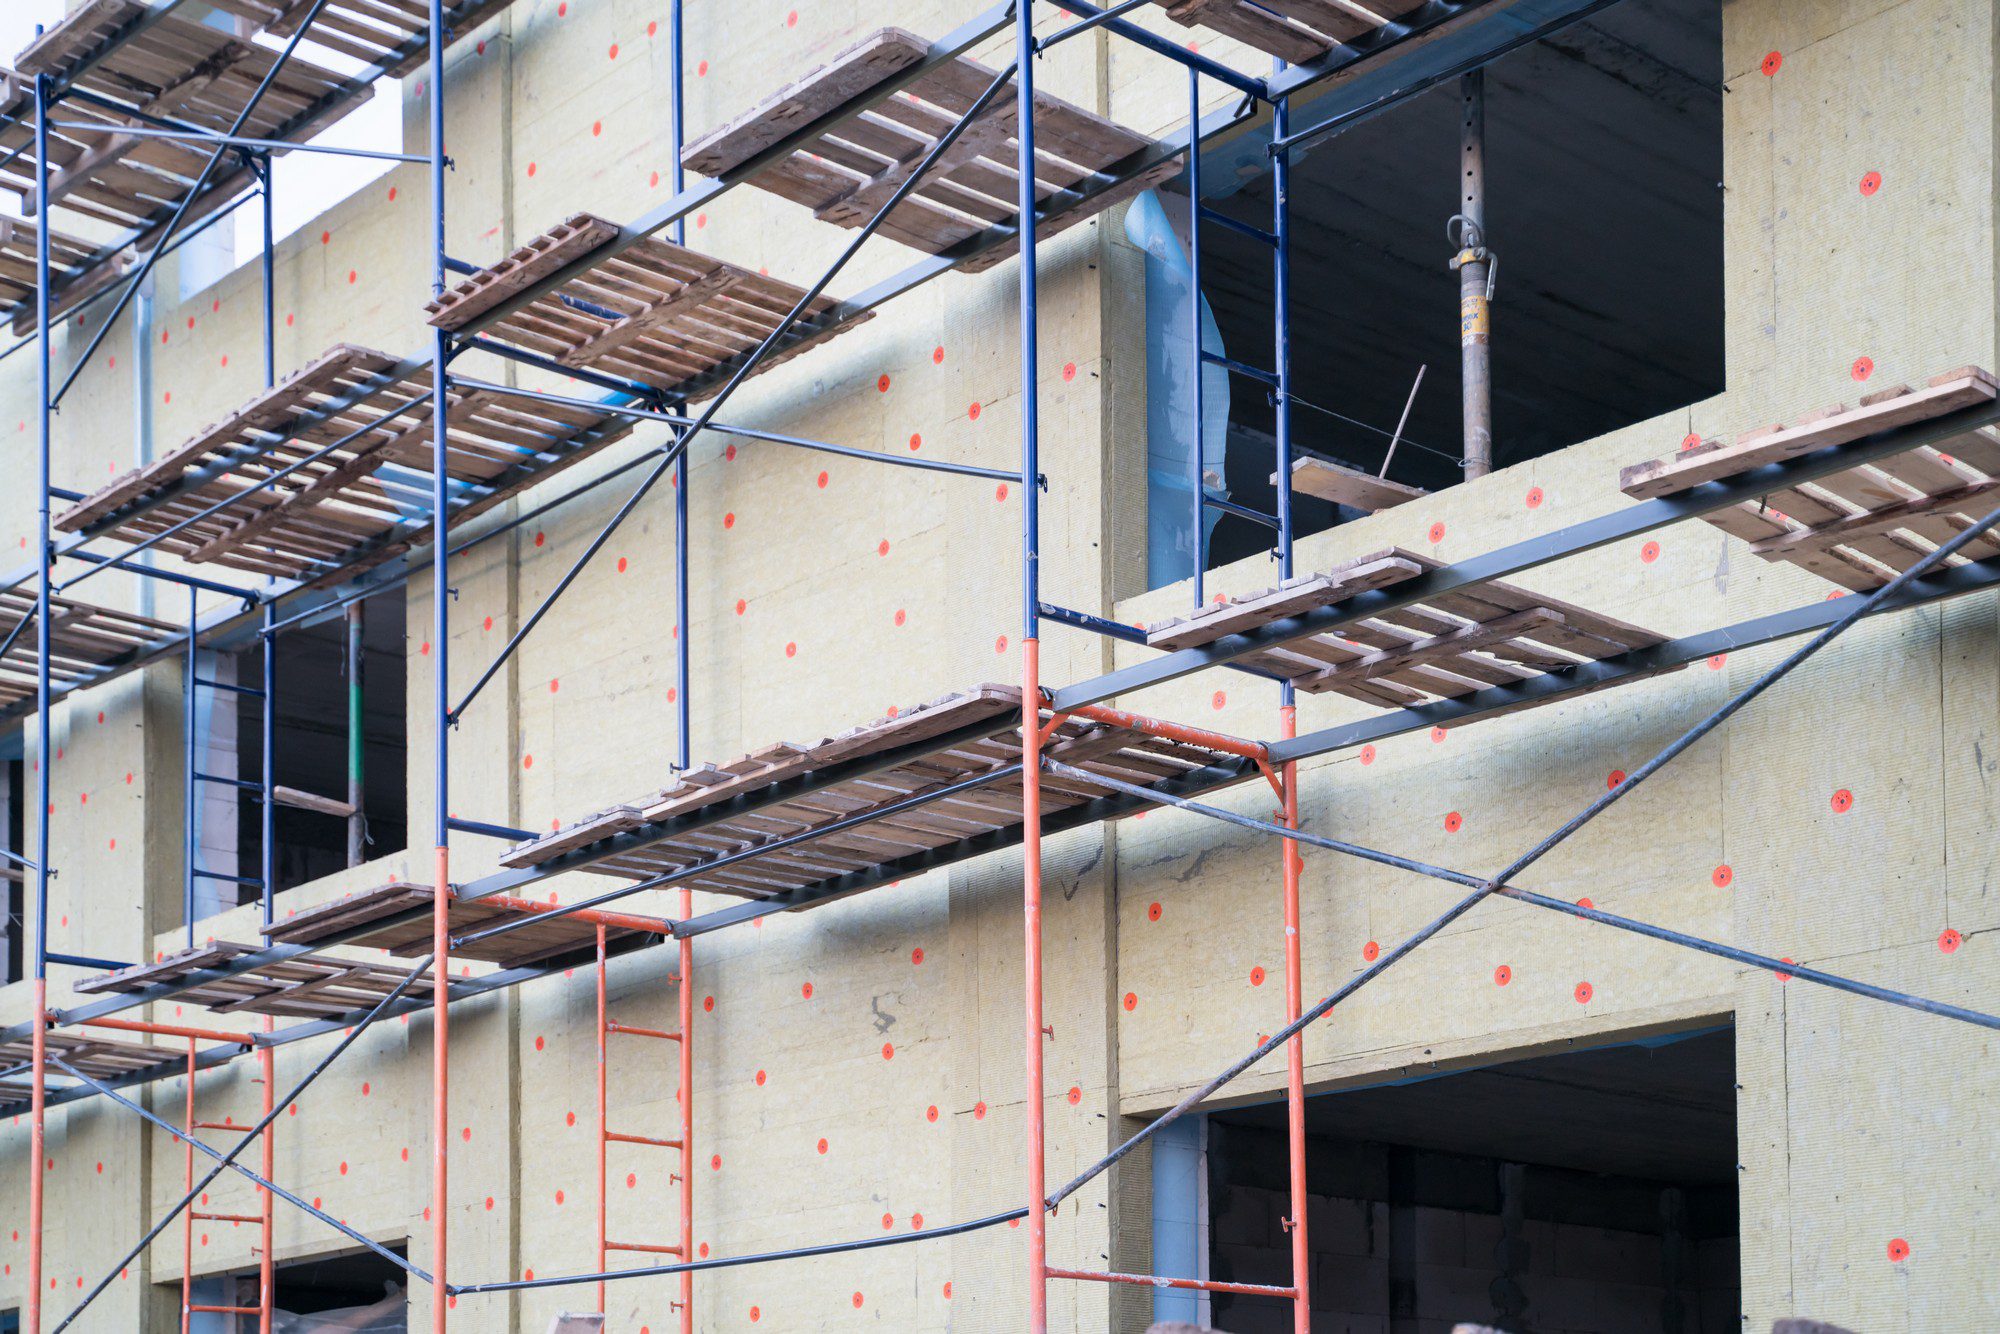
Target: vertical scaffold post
[[191, 795], [1295, 1108], [39, 1000], [603, 1119], [1197, 494], [1031, 683], [187, 1184], [686, 1096], [684, 711], [267, 874], [269, 275], [441, 708]]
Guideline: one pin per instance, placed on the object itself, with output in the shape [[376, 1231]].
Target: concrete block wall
[[819, 603]]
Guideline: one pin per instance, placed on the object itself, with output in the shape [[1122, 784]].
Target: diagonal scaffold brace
[[1485, 889], [250, 1135]]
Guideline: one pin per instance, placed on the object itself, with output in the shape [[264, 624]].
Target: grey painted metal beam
[[1519, 557]]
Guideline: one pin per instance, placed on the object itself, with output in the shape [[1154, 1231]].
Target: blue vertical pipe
[[684, 711], [43, 547], [1031, 518], [440, 706], [268, 817], [1196, 492], [270, 282], [37, 1094], [192, 789], [1281, 304]]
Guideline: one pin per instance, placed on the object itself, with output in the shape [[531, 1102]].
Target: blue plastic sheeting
[[1171, 366], [1178, 1223]]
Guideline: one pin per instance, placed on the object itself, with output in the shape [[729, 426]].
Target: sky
[[306, 183]]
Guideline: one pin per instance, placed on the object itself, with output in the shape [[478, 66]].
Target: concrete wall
[[820, 603]]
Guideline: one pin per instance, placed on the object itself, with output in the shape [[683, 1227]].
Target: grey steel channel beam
[[1519, 557], [1636, 665]]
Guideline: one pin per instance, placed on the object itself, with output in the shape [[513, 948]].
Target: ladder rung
[[615, 1137], [228, 1310], [613, 1026], [227, 1218], [219, 1125], [635, 1246]]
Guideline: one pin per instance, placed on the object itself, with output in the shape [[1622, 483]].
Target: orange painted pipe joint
[[1220, 742], [170, 1031], [617, 921]]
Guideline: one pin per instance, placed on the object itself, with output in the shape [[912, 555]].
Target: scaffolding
[[363, 459]]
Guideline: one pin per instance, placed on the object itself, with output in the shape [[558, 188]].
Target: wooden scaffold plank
[[1297, 31], [1862, 526], [655, 312], [847, 172], [1491, 634], [813, 849], [344, 506]]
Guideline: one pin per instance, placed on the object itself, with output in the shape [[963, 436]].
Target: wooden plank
[[1965, 387], [854, 73], [1343, 485]]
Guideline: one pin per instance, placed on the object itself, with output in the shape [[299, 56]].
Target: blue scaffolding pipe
[[743, 432], [231, 140], [173, 223]]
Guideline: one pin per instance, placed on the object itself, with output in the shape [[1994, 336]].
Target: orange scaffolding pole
[[267, 1264], [606, 1136], [37, 1139], [187, 1217], [1295, 1046], [685, 1096], [440, 1082], [1031, 919]]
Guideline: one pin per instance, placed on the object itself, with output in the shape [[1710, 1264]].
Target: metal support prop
[[1475, 270], [440, 704], [357, 819], [44, 722], [1035, 1113]]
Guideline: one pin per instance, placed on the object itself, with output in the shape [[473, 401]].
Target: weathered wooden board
[[345, 445], [1347, 486], [82, 639], [847, 172], [655, 312], [1298, 31], [1861, 527], [828, 833], [1492, 634]]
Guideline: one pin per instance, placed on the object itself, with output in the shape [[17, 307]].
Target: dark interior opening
[[361, 1286], [355, 1293], [1604, 208], [1590, 1191], [312, 743]]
